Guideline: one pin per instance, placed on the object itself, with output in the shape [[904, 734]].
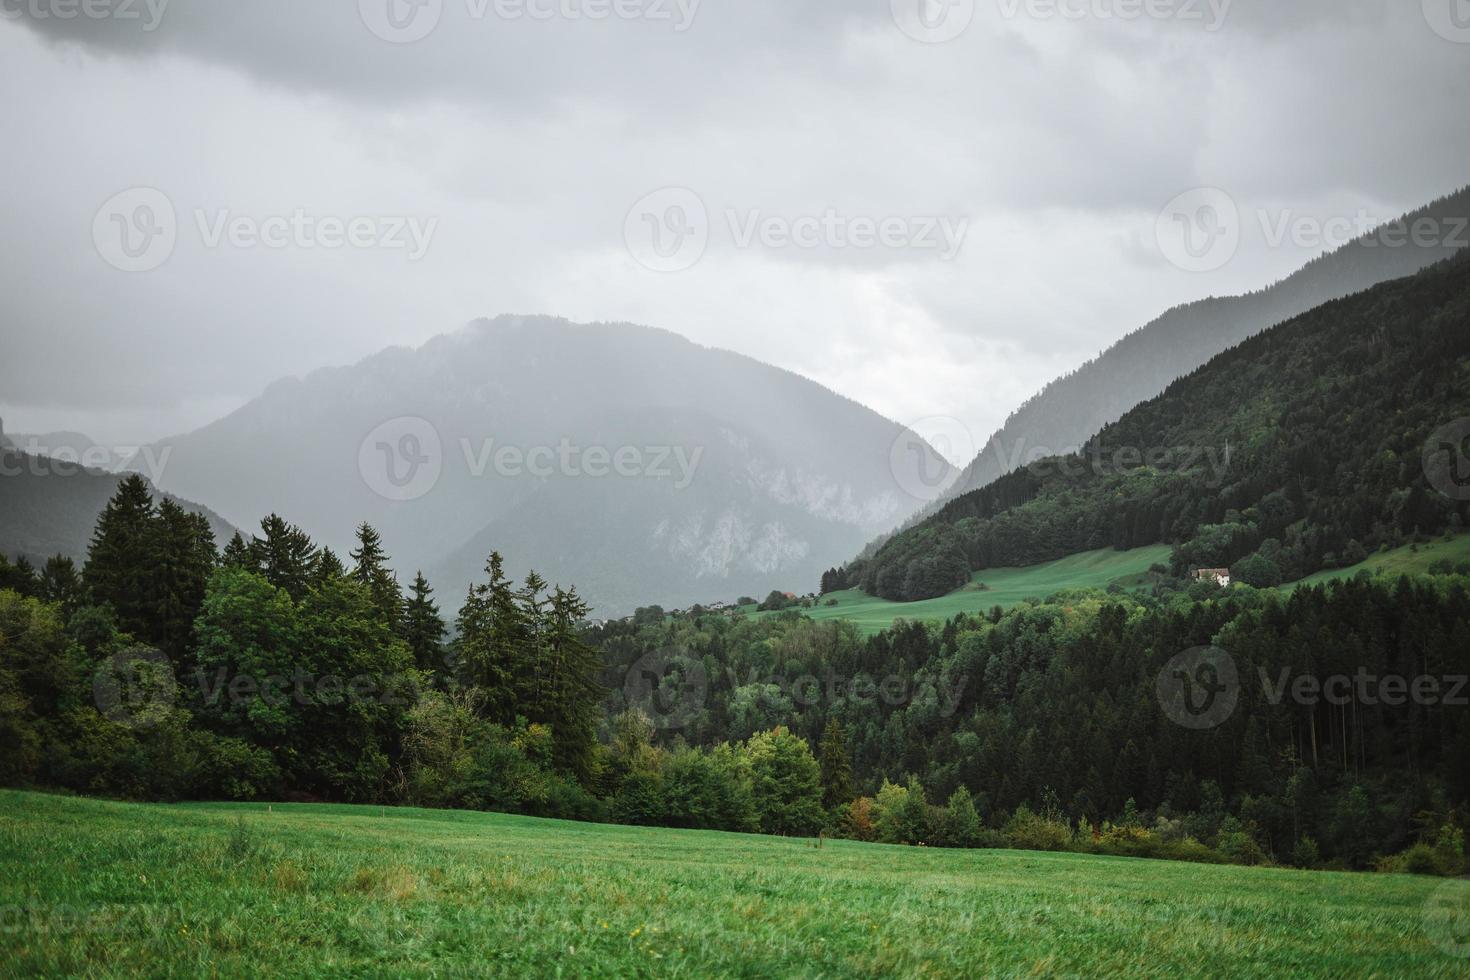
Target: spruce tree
[[286, 556], [117, 570], [494, 636], [181, 558], [421, 627], [836, 766], [237, 554], [60, 582], [329, 568], [574, 690], [371, 570]]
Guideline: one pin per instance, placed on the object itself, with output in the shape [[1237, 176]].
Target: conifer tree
[[237, 554], [836, 764], [371, 570], [575, 693], [286, 556], [494, 636], [117, 570], [329, 568], [421, 627], [60, 582]]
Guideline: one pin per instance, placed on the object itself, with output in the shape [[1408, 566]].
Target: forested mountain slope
[[1074, 407], [1300, 449]]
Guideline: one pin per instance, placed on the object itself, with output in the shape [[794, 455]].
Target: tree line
[[303, 676]]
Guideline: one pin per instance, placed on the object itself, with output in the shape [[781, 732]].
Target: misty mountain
[[627, 461], [49, 506], [1071, 409]]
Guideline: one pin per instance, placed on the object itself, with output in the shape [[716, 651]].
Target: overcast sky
[[932, 211]]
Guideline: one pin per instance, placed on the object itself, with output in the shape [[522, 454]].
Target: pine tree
[[329, 568], [60, 582], [836, 766], [574, 691], [117, 571], [534, 678], [421, 626], [181, 557], [286, 556], [237, 554], [371, 570], [494, 636]]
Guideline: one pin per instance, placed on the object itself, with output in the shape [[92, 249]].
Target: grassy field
[[1408, 560], [99, 888], [1004, 587]]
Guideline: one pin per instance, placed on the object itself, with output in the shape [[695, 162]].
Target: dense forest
[[1305, 447], [273, 669]]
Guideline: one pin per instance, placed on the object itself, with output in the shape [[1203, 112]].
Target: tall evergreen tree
[[181, 557], [370, 569], [421, 627], [836, 762], [573, 696], [494, 636], [60, 582], [285, 556], [238, 554], [117, 571], [329, 568]]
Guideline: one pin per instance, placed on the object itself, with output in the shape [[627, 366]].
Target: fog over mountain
[[628, 461]]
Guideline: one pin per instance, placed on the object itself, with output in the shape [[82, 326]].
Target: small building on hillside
[[1220, 576]]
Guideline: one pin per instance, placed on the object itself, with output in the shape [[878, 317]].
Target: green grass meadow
[[99, 888], [1008, 587], [1004, 587]]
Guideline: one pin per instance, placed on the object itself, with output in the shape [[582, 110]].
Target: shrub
[[1306, 853], [1031, 832]]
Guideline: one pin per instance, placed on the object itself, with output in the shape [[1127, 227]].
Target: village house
[[1221, 576]]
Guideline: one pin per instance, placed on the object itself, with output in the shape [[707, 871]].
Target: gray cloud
[[528, 142]]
